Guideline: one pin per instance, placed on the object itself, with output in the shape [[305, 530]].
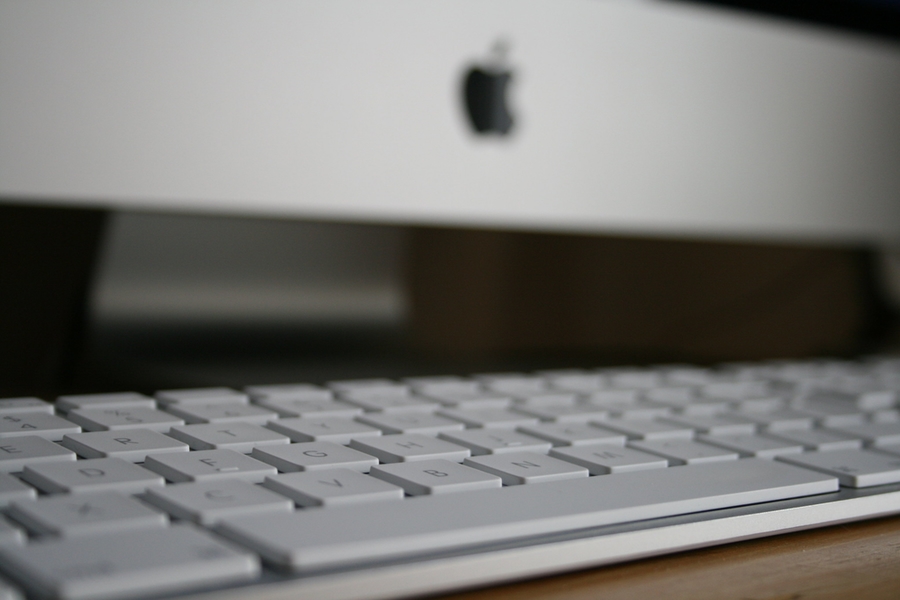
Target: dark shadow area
[[873, 17], [47, 260], [506, 301], [642, 300], [477, 301]]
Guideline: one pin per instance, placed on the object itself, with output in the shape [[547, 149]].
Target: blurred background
[[103, 300], [153, 301]]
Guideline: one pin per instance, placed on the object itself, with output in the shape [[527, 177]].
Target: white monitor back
[[629, 116]]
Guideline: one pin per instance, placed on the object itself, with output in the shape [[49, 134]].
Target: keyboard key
[[152, 561], [636, 379], [309, 541], [872, 399], [289, 391], [522, 380], [551, 374], [202, 396], [223, 413], [408, 447], [313, 409], [779, 420], [312, 456], [753, 445], [17, 452], [435, 477], [887, 415], [12, 488], [619, 398], [49, 427], [890, 449], [517, 387], [208, 465], [332, 487], [752, 405], [92, 475], [469, 399], [350, 385], [119, 419], [116, 400], [410, 423], [132, 445], [737, 390], [434, 387], [854, 468], [832, 414], [693, 406], [714, 424], [637, 410], [390, 403], [9, 592], [545, 398], [516, 468], [648, 429], [438, 380], [873, 434], [489, 418], [818, 439], [579, 413], [684, 452], [688, 375], [601, 460], [495, 441], [574, 434], [393, 390], [678, 395], [10, 534], [208, 502], [329, 429], [578, 383], [14, 406], [242, 437], [103, 512]]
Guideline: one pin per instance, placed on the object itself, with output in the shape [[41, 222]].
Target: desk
[[860, 561]]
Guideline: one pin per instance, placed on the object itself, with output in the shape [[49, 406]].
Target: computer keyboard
[[391, 488]]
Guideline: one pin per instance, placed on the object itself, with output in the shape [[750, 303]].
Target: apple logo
[[484, 93]]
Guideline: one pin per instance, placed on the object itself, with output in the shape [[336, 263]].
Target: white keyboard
[[380, 488]]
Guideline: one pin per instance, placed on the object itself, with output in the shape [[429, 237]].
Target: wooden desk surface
[[859, 561]]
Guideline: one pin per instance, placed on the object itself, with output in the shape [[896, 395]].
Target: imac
[[590, 128], [606, 116]]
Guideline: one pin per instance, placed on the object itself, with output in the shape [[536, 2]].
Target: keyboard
[[385, 488]]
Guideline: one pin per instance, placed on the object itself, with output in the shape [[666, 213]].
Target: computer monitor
[[645, 118], [659, 119], [597, 116]]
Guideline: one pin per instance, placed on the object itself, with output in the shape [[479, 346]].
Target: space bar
[[310, 540]]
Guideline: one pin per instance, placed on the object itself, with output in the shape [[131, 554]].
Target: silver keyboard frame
[[582, 549]]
